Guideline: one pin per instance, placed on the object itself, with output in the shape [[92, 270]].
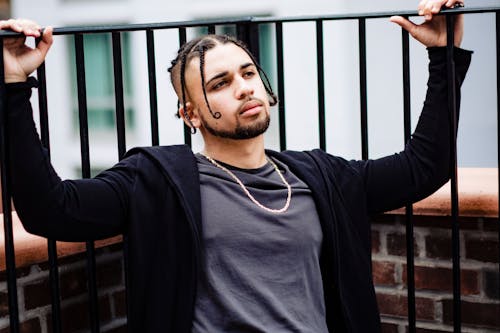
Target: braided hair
[[197, 48]]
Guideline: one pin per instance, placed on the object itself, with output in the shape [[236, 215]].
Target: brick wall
[[34, 294], [433, 273], [433, 278]]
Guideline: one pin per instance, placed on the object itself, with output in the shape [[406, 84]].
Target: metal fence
[[247, 30]]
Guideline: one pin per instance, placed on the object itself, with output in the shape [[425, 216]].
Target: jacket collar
[[178, 165]]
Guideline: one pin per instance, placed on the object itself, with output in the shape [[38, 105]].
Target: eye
[[219, 85], [248, 74]]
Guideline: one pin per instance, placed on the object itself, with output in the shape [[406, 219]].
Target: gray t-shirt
[[261, 270]]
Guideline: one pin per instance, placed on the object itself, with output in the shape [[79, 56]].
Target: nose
[[244, 88]]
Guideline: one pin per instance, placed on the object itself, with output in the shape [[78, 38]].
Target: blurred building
[[477, 137], [4, 9]]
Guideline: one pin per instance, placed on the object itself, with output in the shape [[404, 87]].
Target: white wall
[[477, 136]]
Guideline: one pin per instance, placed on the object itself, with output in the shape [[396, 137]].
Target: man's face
[[234, 89]]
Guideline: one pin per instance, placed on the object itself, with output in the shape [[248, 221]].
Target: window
[[100, 81]]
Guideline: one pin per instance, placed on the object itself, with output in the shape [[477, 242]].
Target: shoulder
[[176, 162], [317, 161], [166, 156]]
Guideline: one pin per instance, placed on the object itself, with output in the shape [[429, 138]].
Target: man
[[235, 238]]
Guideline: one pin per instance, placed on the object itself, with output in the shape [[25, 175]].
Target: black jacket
[[153, 197]]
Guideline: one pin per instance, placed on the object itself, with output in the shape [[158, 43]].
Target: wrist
[[15, 78]]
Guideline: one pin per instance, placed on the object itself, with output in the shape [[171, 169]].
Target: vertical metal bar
[[153, 100], [119, 104], [211, 29], [321, 83], [82, 105], [450, 23], [51, 244], [497, 19], [249, 33], [362, 88], [410, 255], [10, 259], [85, 156], [281, 84], [42, 104], [120, 122], [187, 132]]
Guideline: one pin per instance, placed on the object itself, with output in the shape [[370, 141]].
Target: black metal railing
[[247, 30]]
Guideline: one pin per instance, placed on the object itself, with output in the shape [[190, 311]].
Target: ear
[[189, 116]]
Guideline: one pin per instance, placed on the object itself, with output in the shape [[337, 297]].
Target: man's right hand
[[21, 60]]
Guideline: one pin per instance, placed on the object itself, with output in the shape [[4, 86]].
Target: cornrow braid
[[201, 49], [183, 80], [183, 85]]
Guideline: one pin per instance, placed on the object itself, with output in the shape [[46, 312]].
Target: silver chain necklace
[[249, 195]]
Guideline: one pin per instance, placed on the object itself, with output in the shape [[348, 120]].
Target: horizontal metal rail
[[248, 19]]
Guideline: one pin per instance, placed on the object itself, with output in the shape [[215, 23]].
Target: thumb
[[403, 23], [46, 41]]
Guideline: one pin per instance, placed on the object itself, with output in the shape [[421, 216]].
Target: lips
[[250, 108]]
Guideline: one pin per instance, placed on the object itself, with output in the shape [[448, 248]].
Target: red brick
[[482, 250], [397, 305], [470, 223], [73, 283], [120, 300], [37, 294], [109, 274], [29, 326], [64, 261], [104, 310], [389, 328], [491, 284], [387, 219], [375, 241], [486, 315], [441, 279], [384, 273], [75, 317], [438, 247], [396, 245], [434, 222], [491, 224], [445, 222], [424, 308], [4, 304]]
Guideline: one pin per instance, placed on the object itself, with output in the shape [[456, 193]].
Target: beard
[[240, 132]]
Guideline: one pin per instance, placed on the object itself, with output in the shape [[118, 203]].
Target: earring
[[191, 126]]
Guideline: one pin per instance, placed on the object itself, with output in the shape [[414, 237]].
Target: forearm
[[47, 206], [429, 146], [32, 174], [423, 166]]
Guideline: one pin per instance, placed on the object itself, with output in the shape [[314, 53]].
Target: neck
[[244, 154]]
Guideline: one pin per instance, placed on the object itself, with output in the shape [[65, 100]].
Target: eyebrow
[[222, 74]]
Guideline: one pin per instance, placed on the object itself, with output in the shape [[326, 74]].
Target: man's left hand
[[432, 32]]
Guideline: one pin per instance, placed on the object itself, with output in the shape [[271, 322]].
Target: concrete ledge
[[478, 197]]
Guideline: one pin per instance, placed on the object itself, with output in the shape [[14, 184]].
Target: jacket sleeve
[[423, 166], [70, 210]]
